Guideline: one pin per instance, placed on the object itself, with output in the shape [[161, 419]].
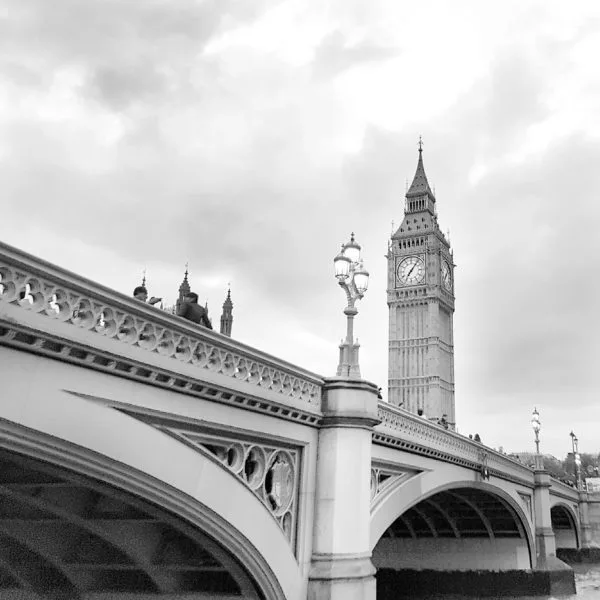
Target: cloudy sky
[[250, 137]]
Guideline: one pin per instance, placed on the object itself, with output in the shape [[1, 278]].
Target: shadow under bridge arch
[[461, 528], [564, 525], [75, 523], [66, 535]]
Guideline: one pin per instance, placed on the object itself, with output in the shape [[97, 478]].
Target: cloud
[[164, 132], [536, 276], [336, 54]]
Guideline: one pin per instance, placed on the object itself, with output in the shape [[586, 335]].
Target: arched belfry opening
[[437, 545], [564, 526], [63, 535]]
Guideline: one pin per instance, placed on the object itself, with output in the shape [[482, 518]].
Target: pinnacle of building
[[185, 285], [228, 304], [420, 185], [227, 315]]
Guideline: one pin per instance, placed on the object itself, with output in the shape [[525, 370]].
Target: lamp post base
[[348, 366]]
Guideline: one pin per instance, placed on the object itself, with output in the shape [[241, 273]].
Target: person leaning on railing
[[192, 311], [141, 293]]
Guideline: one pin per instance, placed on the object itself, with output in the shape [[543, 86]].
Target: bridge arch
[[188, 492], [565, 525], [490, 526]]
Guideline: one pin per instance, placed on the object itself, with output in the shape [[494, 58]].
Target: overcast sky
[[251, 137]]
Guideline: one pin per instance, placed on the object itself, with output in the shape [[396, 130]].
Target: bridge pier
[[341, 567], [559, 577], [587, 533], [588, 550]]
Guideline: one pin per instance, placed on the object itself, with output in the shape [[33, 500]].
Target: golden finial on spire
[[420, 144]]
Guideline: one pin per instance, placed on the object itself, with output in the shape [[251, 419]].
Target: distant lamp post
[[354, 279], [577, 458], [536, 425]]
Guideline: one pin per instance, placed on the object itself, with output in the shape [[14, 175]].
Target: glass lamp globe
[[361, 279], [352, 250], [341, 265], [535, 421]]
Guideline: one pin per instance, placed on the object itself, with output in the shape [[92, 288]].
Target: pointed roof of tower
[[420, 185], [185, 284], [228, 303]]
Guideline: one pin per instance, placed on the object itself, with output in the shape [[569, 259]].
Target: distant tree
[[555, 467]]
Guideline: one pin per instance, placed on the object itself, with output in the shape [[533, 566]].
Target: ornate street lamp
[[536, 425], [354, 279], [577, 458]]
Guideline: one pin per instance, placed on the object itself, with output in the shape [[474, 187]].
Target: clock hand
[[411, 270]]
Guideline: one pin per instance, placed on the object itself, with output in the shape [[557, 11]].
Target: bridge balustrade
[[58, 313], [563, 490], [406, 431]]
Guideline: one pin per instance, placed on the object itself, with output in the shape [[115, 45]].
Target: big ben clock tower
[[421, 307]]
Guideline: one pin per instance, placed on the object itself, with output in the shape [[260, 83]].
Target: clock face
[[446, 276], [411, 270]]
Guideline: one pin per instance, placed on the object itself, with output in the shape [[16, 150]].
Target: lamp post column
[[348, 365], [576, 460], [341, 567]]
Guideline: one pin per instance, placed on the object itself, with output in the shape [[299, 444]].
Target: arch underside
[[64, 535], [456, 514], [461, 528], [564, 527]]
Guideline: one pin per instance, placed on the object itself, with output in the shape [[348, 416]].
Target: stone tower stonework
[[184, 289], [227, 315], [420, 298]]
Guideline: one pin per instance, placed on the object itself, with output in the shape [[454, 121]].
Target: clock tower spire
[[420, 298]]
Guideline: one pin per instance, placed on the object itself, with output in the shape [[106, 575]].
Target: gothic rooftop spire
[[228, 304], [420, 185], [185, 284]]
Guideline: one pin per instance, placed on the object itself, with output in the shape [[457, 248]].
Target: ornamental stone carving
[[383, 479], [409, 432], [107, 314], [270, 472], [526, 501]]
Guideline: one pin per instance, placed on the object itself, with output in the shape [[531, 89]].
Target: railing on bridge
[[560, 488], [48, 307], [412, 433]]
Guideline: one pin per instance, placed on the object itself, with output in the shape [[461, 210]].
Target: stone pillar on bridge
[[341, 567], [560, 577], [585, 525], [545, 542]]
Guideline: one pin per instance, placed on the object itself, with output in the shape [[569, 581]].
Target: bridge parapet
[[51, 311], [559, 488], [409, 432]]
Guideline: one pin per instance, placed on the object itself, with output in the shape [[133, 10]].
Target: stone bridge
[[143, 457]]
